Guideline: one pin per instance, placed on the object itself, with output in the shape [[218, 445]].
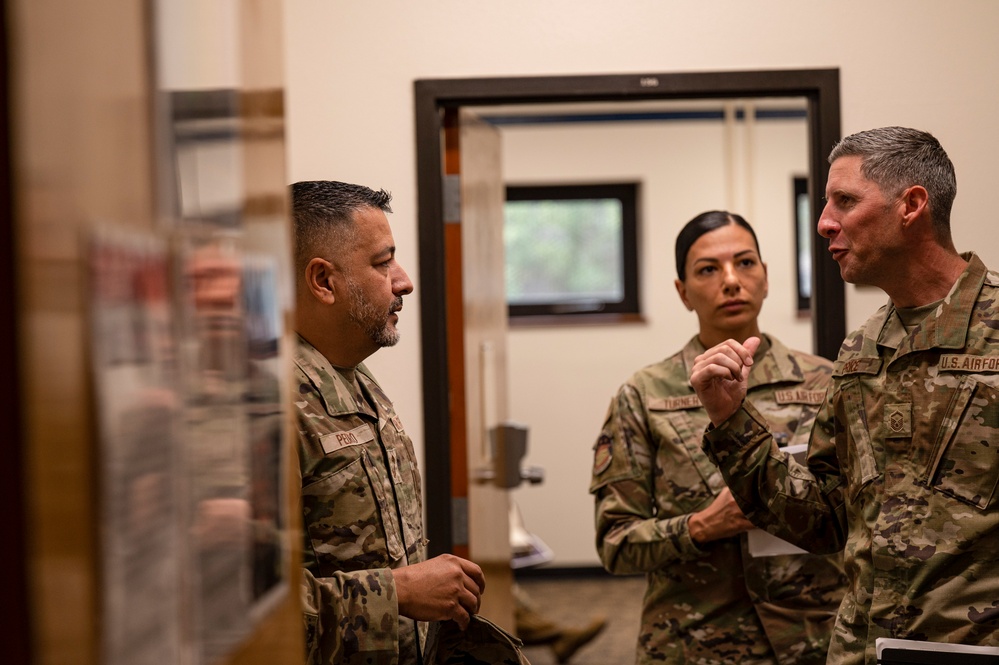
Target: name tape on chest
[[336, 440], [674, 403], [791, 396], [962, 362]]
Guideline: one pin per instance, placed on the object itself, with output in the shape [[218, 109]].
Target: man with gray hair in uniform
[[367, 586], [904, 479]]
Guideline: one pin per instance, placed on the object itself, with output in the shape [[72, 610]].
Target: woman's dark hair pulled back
[[698, 226]]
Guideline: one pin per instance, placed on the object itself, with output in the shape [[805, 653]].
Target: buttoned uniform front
[[713, 602], [904, 477], [362, 515]]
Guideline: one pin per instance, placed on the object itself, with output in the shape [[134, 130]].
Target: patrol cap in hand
[[483, 643]]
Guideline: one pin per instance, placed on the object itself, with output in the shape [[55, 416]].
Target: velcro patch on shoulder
[[602, 454], [336, 440]]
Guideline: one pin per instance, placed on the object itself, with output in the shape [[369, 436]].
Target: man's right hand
[[719, 377], [445, 587]]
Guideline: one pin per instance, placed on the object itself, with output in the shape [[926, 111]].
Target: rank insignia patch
[[898, 420]]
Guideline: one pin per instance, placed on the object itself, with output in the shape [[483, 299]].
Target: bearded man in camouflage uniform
[[904, 478], [367, 588]]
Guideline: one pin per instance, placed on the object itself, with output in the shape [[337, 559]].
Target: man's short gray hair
[[899, 157]]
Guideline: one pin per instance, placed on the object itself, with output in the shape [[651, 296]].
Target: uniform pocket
[[347, 517], [862, 463], [966, 465], [693, 477]]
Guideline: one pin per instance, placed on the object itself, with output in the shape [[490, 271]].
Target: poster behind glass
[[133, 365]]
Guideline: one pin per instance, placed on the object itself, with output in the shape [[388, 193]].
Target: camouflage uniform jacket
[[905, 478], [362, 515], [710, 603]]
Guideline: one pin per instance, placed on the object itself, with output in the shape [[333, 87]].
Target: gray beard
[[373, 322]]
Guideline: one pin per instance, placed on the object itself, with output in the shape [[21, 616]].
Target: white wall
[[351, 67], [561, 378]]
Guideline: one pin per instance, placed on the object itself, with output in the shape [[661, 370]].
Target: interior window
[[571, 250]]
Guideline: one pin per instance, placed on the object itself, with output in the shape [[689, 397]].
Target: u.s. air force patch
[[602, 454]]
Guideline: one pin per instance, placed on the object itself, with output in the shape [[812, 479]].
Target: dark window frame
[[627, 193], [799, 187]]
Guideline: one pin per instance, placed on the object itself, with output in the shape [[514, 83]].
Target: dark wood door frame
[[820, 87], [16, 631]]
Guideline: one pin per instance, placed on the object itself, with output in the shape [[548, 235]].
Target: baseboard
[[560, 572]]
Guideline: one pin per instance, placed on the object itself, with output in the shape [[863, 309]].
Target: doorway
[[437, 99]]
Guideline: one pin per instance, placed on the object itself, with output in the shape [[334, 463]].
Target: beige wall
[[351, 66], [561, 378]]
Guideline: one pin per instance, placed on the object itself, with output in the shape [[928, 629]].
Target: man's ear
[[915, 202], [319, 280]]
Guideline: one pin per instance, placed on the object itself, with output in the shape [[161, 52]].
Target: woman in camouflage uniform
[[662, 507]]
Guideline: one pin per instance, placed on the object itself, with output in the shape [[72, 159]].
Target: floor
[[574, 600]]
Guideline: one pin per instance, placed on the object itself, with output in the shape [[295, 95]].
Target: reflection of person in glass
[[662, 507], [367, 588], [214, 273], [235, 321], [263, 402]]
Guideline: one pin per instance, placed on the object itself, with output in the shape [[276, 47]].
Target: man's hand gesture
[[719, 376]]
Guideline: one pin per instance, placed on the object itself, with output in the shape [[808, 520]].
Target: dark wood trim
[[436, 403], [431, 96], [15, 630], [828, 292], [454, 303]]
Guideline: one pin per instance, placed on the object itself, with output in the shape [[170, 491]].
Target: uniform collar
[[339, 387], [947, 327]]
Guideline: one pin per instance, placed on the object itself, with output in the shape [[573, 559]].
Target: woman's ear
[[681, 288], [319, 280]]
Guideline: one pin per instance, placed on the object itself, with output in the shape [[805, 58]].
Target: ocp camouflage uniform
[[905, 475], [362, 515], [711, 603]]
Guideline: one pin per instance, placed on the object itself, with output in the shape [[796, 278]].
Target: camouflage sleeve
[[631, 538], [350, 618], [801, 504]]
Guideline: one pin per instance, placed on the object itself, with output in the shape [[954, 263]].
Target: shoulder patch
[[602, 454]]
